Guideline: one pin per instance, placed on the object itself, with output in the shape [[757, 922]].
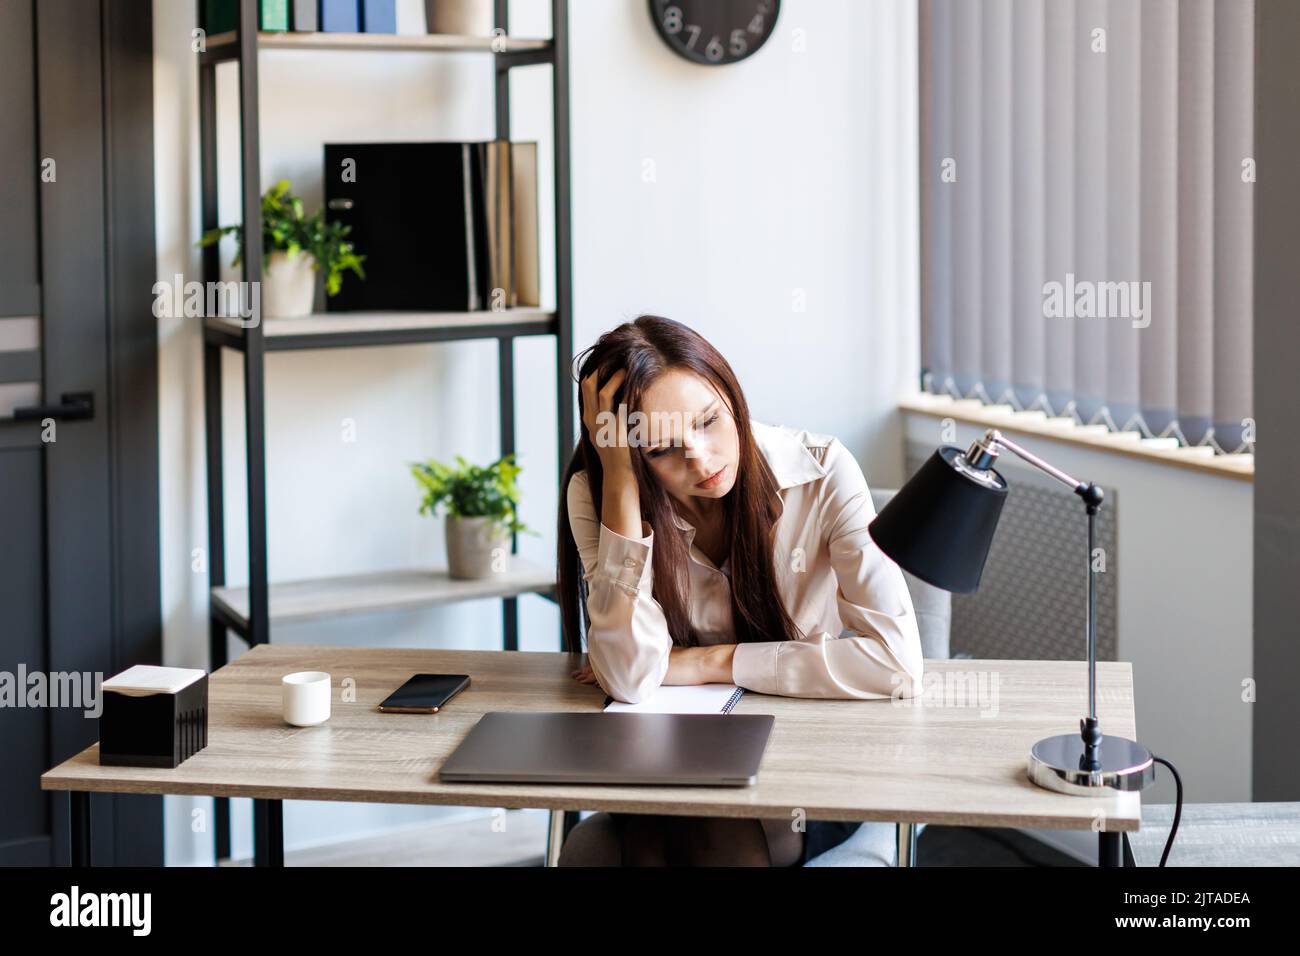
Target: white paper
[[682, 699]]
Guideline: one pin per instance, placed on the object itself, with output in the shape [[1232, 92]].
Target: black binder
[[418, 214]]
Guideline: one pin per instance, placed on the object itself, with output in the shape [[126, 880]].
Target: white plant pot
[[459, 17], [471, 543], [288, 285]]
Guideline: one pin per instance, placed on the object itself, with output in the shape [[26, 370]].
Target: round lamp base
[[1124, 765]]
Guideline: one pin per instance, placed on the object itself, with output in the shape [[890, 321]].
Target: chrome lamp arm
[[981, 456]]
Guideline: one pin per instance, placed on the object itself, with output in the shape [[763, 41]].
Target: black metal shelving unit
[[247, 612]]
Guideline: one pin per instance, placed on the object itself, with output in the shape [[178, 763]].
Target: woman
[[725, 551]]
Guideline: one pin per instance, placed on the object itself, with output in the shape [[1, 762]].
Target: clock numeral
[[731, 43]]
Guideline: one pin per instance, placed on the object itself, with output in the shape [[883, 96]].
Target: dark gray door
[[78, 491], [26, 825]]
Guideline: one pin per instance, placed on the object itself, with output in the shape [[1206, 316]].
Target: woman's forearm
[[700, 665], [620, 509]]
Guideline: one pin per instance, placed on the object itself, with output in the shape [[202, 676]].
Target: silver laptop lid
[[530, 747]]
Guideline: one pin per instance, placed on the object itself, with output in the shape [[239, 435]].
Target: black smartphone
[[424, 694]]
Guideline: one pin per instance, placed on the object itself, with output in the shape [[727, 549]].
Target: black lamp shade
[[939, 525]]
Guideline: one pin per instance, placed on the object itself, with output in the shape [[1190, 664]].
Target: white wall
[[780, 222], [792, 174]]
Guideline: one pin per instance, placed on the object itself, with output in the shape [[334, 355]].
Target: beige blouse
[[831, 576]]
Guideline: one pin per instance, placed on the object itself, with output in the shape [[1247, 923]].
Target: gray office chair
[[872, 844]]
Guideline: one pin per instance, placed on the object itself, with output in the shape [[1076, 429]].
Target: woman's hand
[[620, 508], [615, 457], [584, 675]]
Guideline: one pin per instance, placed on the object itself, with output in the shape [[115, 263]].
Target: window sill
[[1096, 437]]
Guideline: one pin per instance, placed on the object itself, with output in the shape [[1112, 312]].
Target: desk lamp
[[939, 527]]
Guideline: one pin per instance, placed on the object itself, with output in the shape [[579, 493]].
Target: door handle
[[74, 405]]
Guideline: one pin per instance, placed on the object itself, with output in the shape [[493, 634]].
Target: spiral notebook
[[683, 699]]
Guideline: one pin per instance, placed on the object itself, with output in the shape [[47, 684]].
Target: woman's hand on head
[[620, 498], [611, 444]]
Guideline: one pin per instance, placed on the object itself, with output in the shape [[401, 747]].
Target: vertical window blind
[[1087, 210]]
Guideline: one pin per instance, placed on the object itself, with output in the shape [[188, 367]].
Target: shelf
[[225, 46], [322, 598], [355, 329], [232, 608], [1130, 444]]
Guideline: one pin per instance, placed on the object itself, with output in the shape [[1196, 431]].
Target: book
[[274, 16], [512, 224], [222, 16], [683, 699], [444, 226], [379, 16], [304, 16], [410, 18], [419, 214], [473, 196], [527, 265], [501, 281], [339, 16]]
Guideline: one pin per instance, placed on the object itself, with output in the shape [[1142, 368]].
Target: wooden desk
[[835, 759]]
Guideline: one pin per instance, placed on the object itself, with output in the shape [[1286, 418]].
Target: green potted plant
[[482, 509], [294, 247]]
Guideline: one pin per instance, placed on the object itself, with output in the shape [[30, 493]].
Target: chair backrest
[[933, 605]]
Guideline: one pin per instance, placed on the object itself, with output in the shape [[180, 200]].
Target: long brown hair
[[647, 347]]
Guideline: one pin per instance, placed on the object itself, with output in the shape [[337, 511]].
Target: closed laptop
[[717, 750]]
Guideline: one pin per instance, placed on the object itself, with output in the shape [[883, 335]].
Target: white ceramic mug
[[305, 697]]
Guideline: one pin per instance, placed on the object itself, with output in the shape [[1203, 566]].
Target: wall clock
[[714, 32]]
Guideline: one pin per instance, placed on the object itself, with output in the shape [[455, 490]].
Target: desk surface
[[955, 758]]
